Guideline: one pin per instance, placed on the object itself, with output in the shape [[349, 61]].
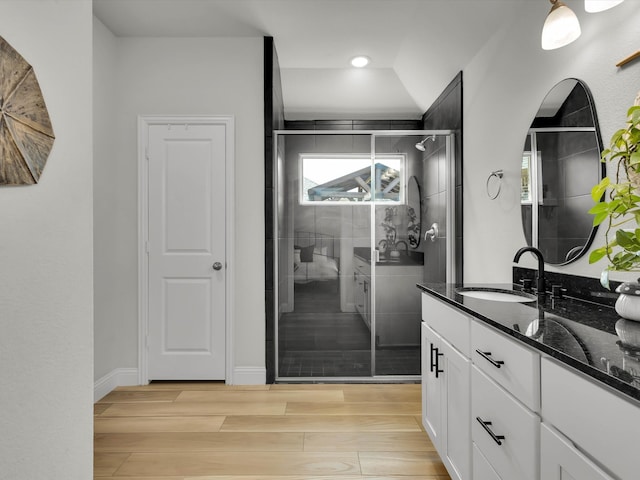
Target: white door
[[186, 259]]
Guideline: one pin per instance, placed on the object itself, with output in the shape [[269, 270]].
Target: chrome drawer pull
[[496, 438], [487, 357]]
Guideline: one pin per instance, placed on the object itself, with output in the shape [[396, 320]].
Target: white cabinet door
[[456, 411], [446, 405], [431, 387], [560, 460]]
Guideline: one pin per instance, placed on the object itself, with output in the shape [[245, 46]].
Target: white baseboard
[[249, 376], [120, 377]]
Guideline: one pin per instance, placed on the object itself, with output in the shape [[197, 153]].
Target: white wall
[[503, 88], [218, 76], [46, 277], [110, 352]]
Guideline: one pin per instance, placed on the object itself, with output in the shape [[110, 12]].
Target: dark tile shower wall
[[446, 114], [566, 191], [434, 196]]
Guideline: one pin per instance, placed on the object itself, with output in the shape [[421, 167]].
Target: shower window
[[347, 179]]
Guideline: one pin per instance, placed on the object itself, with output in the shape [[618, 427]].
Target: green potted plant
[[618, 202]]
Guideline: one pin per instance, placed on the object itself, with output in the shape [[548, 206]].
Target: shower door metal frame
[[450, 241]]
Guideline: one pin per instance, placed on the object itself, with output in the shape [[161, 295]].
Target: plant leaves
[[597, 254], [598, 190]]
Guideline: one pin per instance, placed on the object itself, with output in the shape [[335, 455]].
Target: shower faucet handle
[[432, 233]]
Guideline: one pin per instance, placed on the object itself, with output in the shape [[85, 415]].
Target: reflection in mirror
[[413, 212], [560, 165]]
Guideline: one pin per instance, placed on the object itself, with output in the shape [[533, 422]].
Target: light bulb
[[560, 28], [594, 6]]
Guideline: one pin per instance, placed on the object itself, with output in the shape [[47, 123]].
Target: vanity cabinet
[[532, 417], [468, 371], [397, 307], [445, 389]]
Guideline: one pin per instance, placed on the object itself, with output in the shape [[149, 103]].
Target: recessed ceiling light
[[360, 61]]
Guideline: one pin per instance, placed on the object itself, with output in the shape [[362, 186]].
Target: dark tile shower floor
[[317, 340]]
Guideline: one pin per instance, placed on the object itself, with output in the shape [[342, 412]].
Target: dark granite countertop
[[410, 258], [576, 332]]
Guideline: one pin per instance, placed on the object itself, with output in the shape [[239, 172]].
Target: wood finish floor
[[210, 431]]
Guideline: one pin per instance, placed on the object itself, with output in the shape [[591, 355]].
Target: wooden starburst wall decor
[[26, 134]]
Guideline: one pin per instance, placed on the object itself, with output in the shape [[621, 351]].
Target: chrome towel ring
[[498, 174]]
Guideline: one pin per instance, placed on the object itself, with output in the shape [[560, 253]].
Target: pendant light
[[561, 26], [593, 6]]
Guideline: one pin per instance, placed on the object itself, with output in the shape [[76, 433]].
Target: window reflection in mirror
[[563, 149]]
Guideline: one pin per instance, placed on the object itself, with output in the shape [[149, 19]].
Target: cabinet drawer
[[362, 265], [481, 468], [510, 364], [448, 322], [516, 454], [599, 422]]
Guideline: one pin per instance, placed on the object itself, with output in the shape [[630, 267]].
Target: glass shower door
[[411, 195], [323, 249]]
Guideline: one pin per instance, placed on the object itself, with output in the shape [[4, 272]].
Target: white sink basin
[[496, 294]]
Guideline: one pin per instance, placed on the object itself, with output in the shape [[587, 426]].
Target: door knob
[[217, 266]]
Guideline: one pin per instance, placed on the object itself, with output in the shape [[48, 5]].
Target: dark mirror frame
[[538, 122], [414, 212]]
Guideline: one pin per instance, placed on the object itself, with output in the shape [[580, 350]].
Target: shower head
[[420, 145]]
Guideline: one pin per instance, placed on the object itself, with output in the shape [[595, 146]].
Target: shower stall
[[361, 217]]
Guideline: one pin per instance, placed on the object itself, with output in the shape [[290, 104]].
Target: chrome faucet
[[406, 248], [538, 254]]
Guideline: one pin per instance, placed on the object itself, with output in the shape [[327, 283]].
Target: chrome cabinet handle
[[496, 438], [217, 266], [487, 357]]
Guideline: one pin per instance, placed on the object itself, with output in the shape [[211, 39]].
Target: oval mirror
[[413, 212], [560, 165]]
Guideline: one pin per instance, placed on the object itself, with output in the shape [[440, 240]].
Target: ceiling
[[416, 46]]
